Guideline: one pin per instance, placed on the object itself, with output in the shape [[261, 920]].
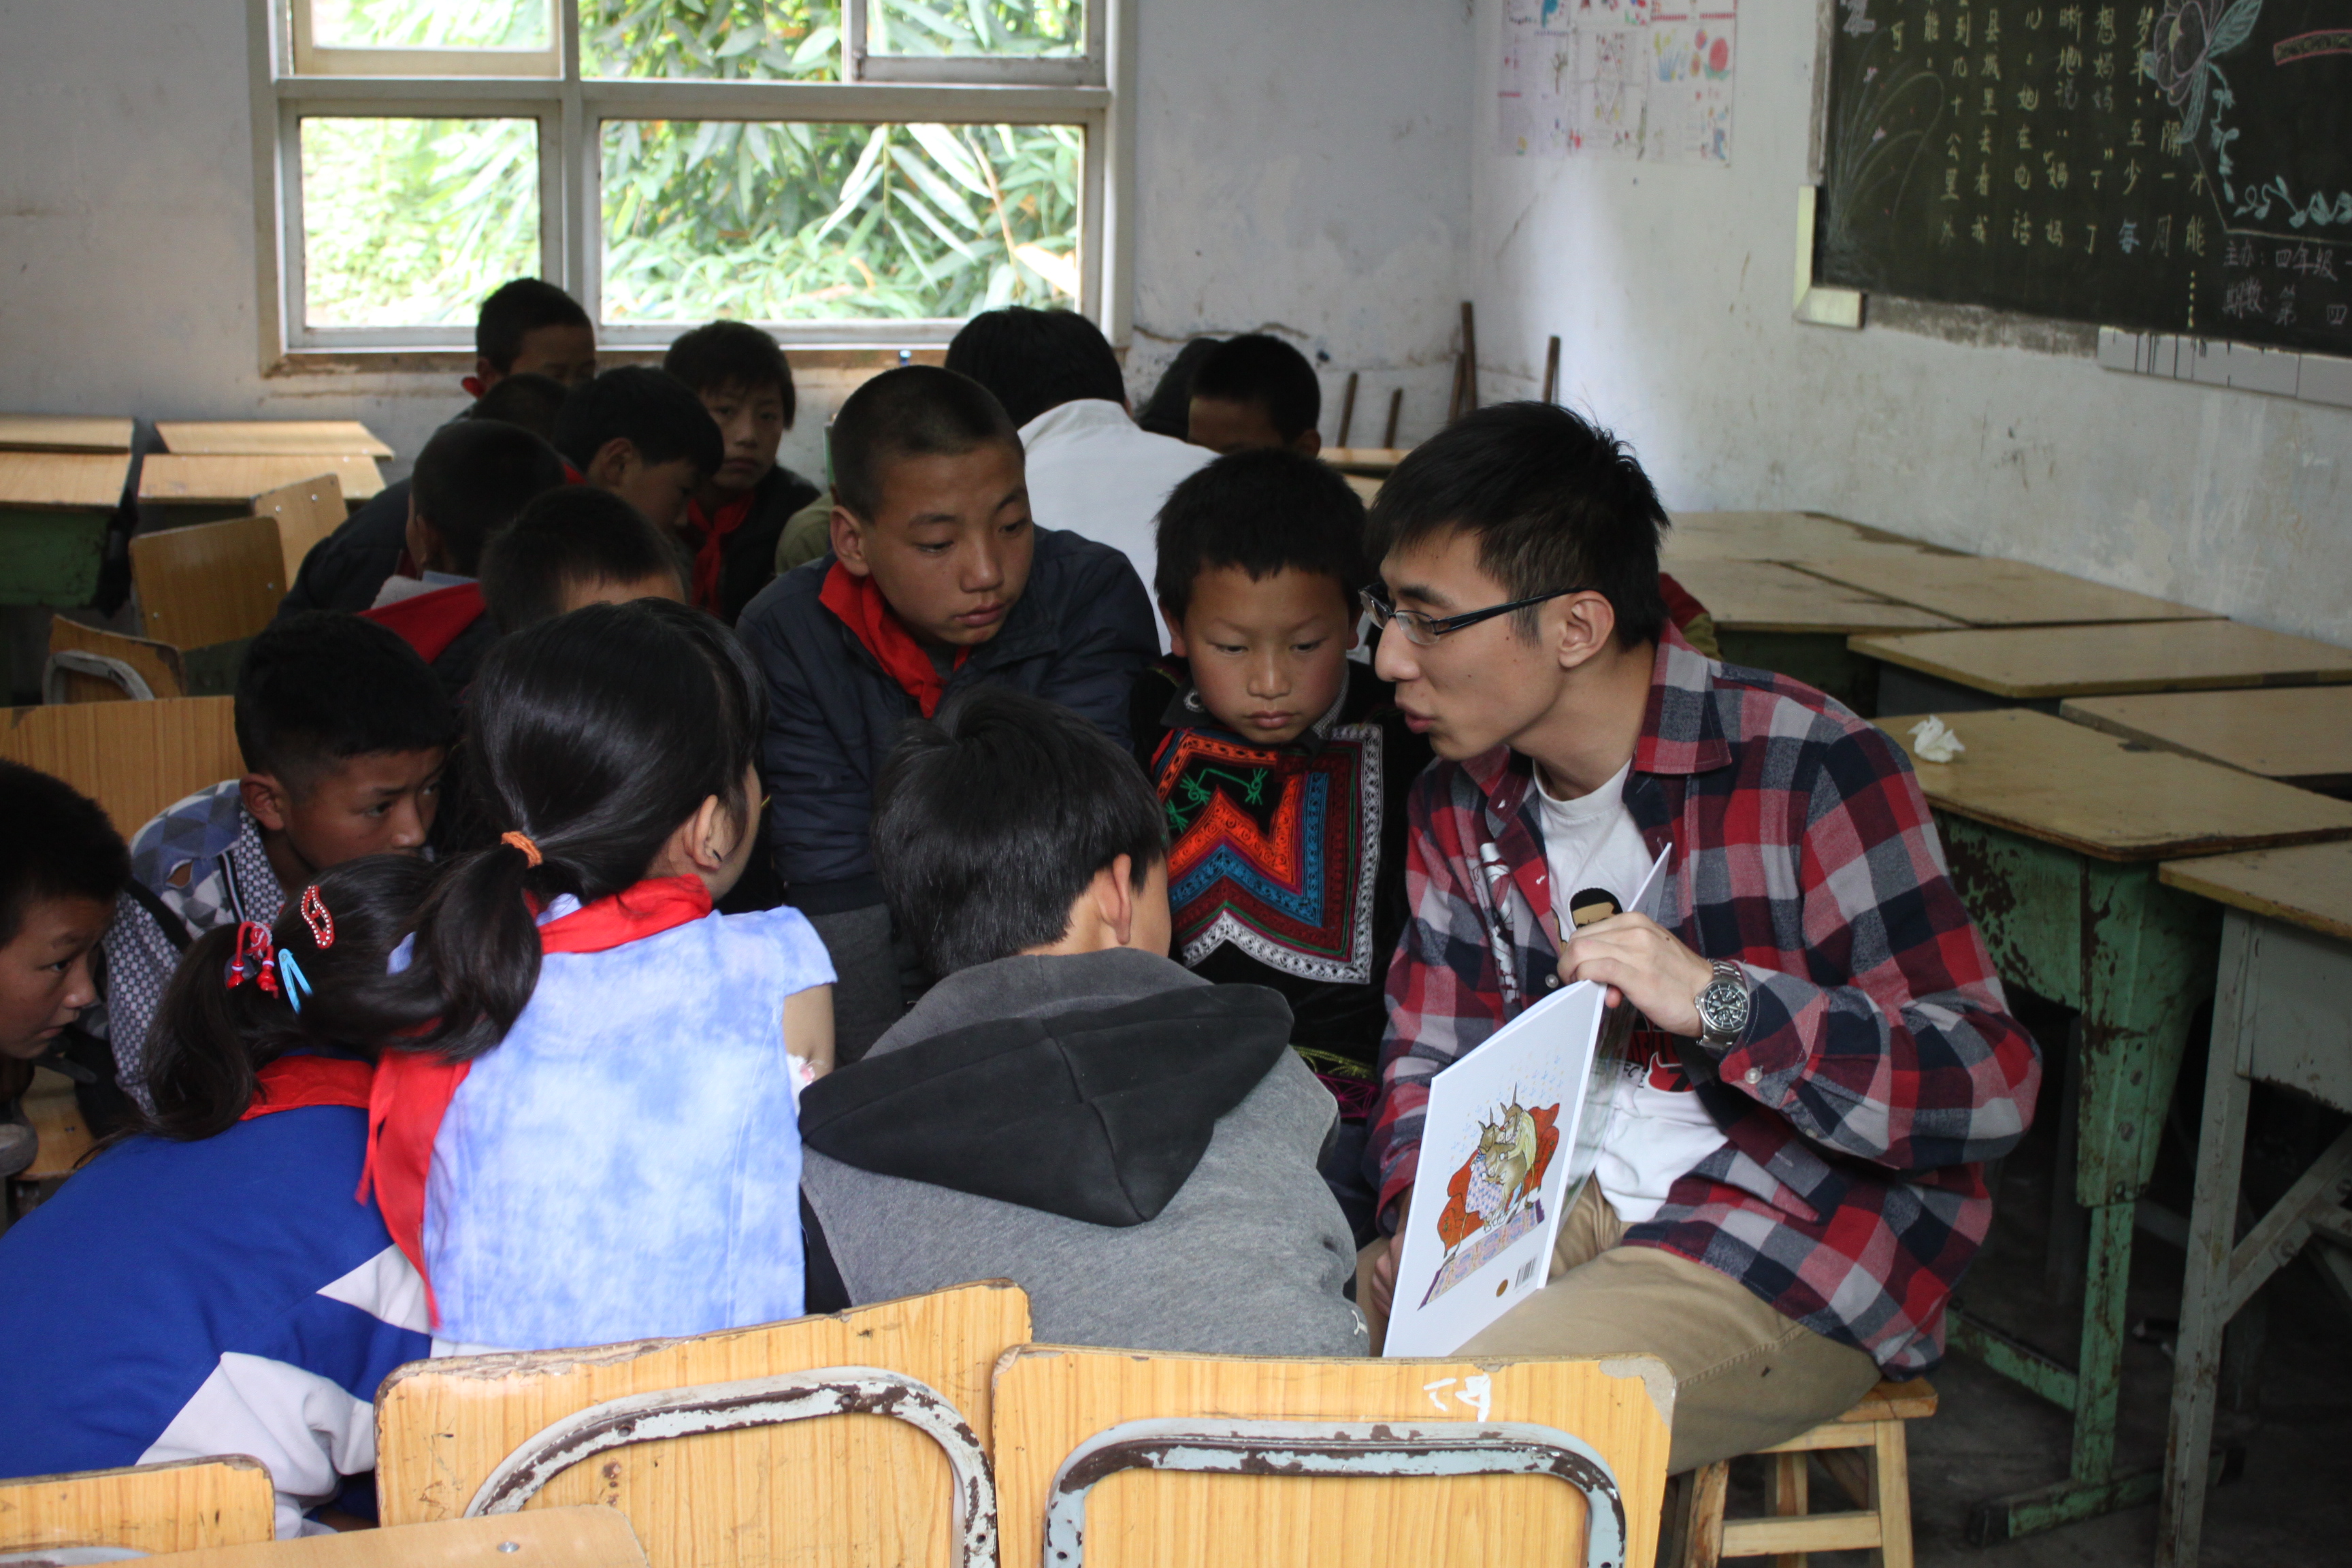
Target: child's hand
[[1384, 1272]]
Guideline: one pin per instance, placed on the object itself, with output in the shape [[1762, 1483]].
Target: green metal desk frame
[[2135, 958], [2279, 1016]]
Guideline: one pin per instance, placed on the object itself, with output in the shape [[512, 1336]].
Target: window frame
[[1094, 92]]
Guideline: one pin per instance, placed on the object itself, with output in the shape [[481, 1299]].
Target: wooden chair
[[1863, 1450], [150, 1509], [208, 582], [1435, 1462], [306, 511], [132, 758], [550, 1538], [706, 1444], [90, 663]]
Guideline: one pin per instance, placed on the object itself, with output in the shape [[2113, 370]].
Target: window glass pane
[[1015, 27], [411, 222], [802, 222], [703, 40], [431, 24]]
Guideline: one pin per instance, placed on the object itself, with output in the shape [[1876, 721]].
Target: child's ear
[[612, 463], [1175, 624], [1114, 897], [424, 541], [849, 543], [269, 800], [1309, 442]]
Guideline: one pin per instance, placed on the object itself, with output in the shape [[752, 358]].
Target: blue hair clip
[[297, 984]]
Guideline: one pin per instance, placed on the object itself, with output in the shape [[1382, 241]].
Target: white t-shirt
[[1095, 471], [1657, 1130]]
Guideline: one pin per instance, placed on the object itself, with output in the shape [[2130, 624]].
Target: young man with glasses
[[1791, 1180]]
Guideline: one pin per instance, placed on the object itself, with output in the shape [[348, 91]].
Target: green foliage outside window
[[411, 221]]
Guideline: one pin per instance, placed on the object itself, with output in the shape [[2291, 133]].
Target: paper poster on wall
[[1644, 79]]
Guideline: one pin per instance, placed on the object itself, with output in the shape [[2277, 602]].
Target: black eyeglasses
[[1423, 631]]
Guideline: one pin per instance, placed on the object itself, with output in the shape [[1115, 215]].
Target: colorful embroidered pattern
[[1276, 852]]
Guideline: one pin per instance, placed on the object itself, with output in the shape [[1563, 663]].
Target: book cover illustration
[[1496, 1197]]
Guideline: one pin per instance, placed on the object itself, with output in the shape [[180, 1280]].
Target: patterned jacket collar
[[1682, 732], [1185, 710]]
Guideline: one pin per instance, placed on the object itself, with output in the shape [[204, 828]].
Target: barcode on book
[[1526, 1273]]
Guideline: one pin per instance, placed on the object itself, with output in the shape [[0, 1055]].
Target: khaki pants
[[1746, 1377]]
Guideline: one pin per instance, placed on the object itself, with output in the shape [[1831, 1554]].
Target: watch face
[[1723, 1008]]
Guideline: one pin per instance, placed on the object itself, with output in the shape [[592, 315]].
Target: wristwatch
[[1723, 1005]]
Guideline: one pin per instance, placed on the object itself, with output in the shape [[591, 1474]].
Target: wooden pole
[[1348, 409], [1396, 406], [1551, 372]]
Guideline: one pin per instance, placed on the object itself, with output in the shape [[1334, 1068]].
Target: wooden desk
[[63, 433], [2279, 1015], [212, 480], [2053, 834], [271, 438], [1772, 617], [1366, 487], [1772, 536], [2004, 666], [2296, 734], [54, 511], [1979, 591]]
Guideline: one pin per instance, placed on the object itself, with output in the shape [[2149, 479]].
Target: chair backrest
[[156, 1509], [551, 1538], [132, 758], [1437, 1463], [860, 1490], [156, 664], [210, 581], [306, 511]]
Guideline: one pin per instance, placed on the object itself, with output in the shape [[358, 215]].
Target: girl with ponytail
[[209, 1283], [585, 1126]]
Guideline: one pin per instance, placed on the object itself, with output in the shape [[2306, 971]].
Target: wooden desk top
[[1758, 597], [2037, 774], [63, 480], [2302, 734], [211, 479], [271, 438], [1979, 591], [2310, 886], [63, 433], [2029, 662], [1772, 536]]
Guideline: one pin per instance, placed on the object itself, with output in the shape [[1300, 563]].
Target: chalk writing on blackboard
[[2178, 165]]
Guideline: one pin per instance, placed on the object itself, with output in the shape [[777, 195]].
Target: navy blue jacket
[[1077, 636]]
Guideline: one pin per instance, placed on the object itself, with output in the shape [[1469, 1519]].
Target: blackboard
[[2183, 166]]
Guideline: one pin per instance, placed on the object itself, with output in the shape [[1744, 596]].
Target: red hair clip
[[255, 959], [315, 916]]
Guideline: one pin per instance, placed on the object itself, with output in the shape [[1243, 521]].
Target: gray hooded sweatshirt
[[1134, 1147]]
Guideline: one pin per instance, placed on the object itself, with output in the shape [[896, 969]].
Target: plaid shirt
[[1880, 1067]]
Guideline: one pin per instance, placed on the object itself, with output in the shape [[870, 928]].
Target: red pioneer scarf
[[431, 621], [710, 556], [862, 608], [293, 1083], [412, 1088]]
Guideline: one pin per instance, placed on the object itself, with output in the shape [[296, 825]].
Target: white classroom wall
[[1670, 288], [1273, 189]]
